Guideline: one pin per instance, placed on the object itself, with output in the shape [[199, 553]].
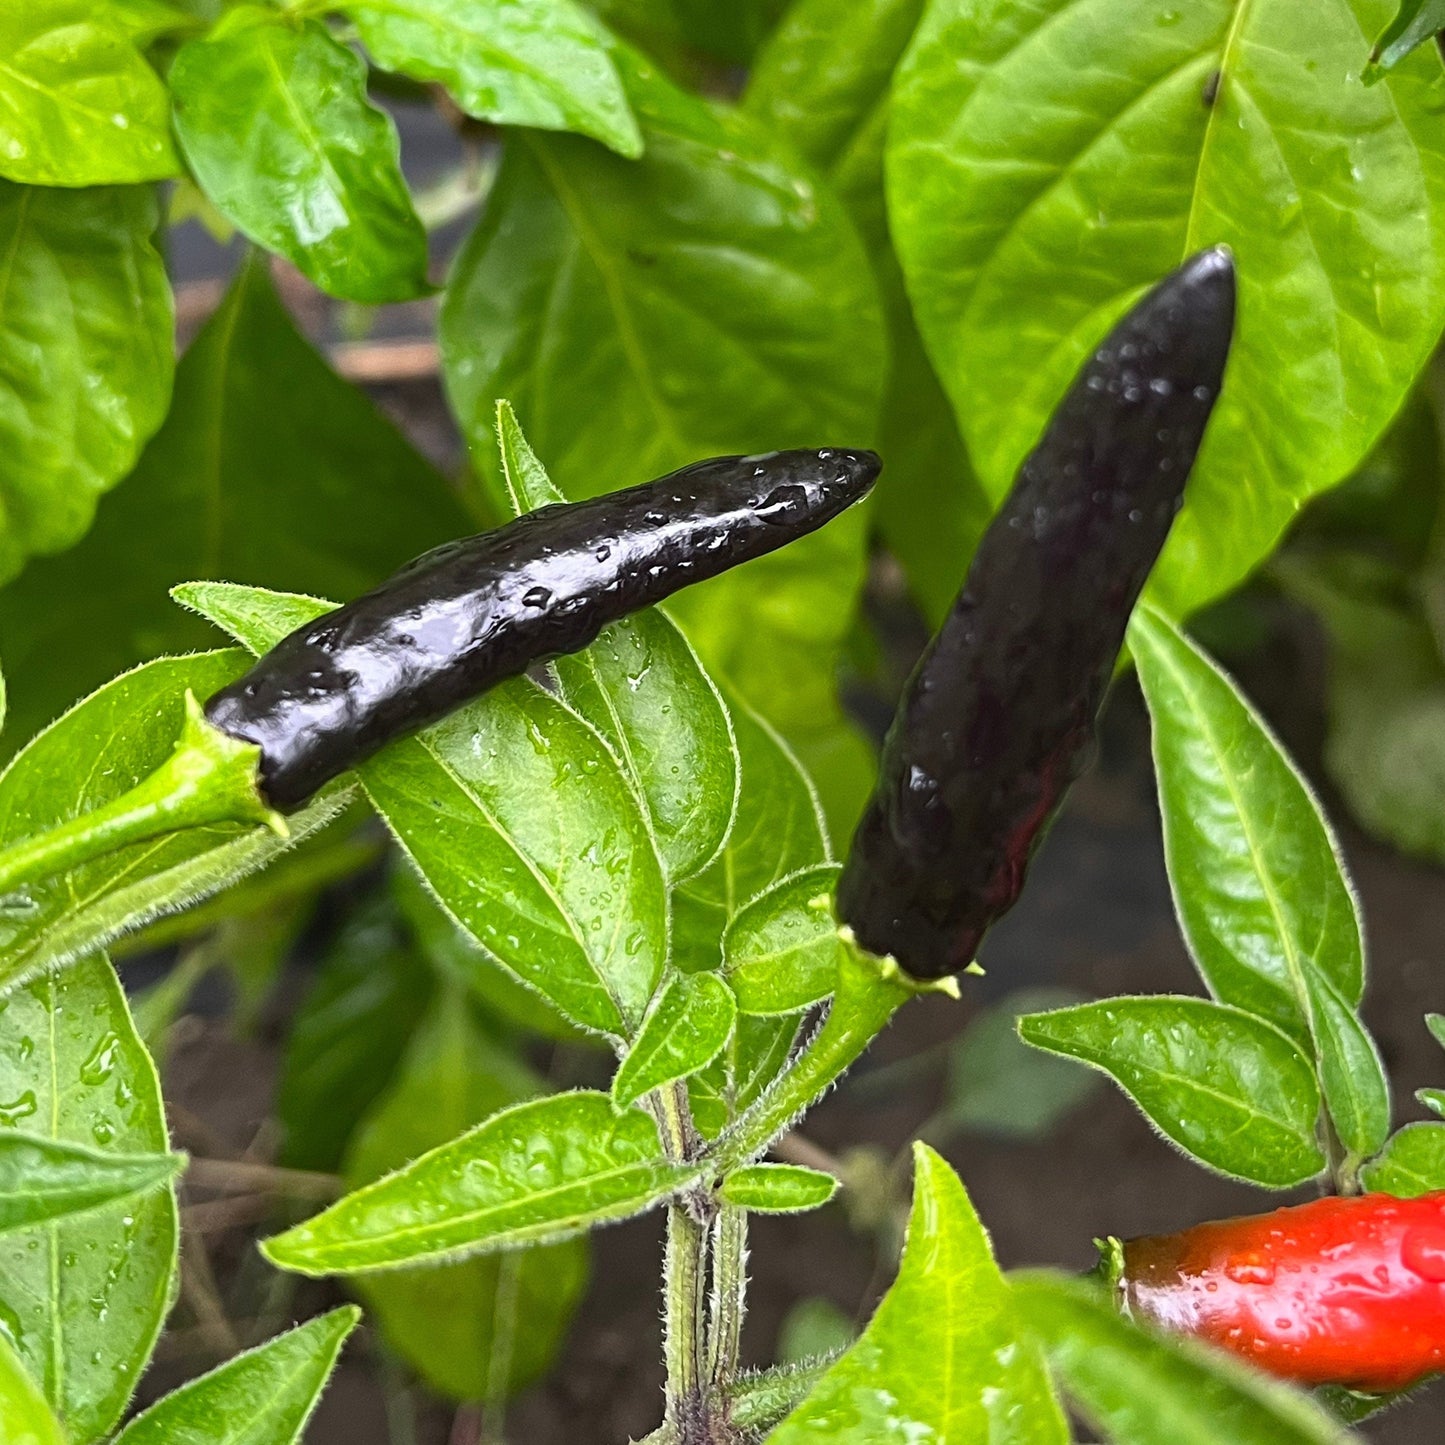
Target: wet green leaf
[[1048, 159], [1411, 1163], [86, 354], [103, 746], [486, 1327], [262, 1397], [79, 106], [778, 1188], [544, 65], [43, 1179], [82, 1299], [269, 469], [941, 1358], [531, 1174], [1415, 23], [1228, 1088], [25, 1417], [685, 1029], [1146, 1389], [780, 951], [272, 115]]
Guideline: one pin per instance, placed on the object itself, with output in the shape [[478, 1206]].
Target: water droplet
[[536, 597], [782, 504], [10, 1325], [26, 1048], [18, 1109], [1422, 1252], [101, 1063], [1250, 1269], [102, 1130]]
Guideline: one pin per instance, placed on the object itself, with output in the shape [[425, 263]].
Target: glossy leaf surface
[[262, 1397], [86, 354], [778, 1188], [940, 1359], [781, 950], [82, 1299], [1228, 1088], [531, 1174], [685, 1029], [43, 1179], [1411, 1163], [25, 1417], [543, 65], [273, 117], [79, 106], [1050, 158]]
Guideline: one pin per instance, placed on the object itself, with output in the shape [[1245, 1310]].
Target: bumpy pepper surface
[[471, 613], [1338, 1291], [998, 718]]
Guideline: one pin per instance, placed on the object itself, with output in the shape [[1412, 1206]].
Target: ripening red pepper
[[1338, 1291]]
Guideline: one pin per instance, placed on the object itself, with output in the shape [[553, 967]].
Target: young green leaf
[[262, 1397], [1436, 1024], [1228, 1088], [25, 1417], [941, 1358], [755, 1055], [1051, 158], [730, 32], [1411, 1163], [104, 745], [83, 1298], [486, 1327], [778, 1188], [79, 106], [1433, 1099], [781, 950], [543, 65], [272, 115], [87, 302], [1146, 1389], [1415, 23], [43, 1179], [685, 1029], [531, 1174]]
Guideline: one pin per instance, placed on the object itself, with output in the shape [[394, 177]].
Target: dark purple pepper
[[472, 613], [998, 717]]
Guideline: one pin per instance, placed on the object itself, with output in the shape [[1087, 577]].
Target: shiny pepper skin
[[1339, 1291]]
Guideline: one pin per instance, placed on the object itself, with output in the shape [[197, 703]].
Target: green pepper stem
[[209, 778], [729, 1296]]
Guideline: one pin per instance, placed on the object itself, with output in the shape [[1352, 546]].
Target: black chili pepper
[[472, 613], [998, 717]]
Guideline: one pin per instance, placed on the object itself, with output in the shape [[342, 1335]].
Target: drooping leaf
[[780, 950], [86, 355], [1416, 22], [25, 1417], [79, 106], [43, 1179], [103, 746], [82, 1299], [1048, 159], [532, 1174], [485, 1327], [1146, 1389], [272, 115], [1228, 1088], [685, 1029], [941, 1358], [262, 1397], [544, 65], [778, 1188], [269, 469], [1411, 1163]]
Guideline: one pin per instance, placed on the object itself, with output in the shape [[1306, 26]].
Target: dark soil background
[[1096, 917]]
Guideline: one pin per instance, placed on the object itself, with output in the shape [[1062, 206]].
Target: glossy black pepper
[[998, 718], [471, 613]]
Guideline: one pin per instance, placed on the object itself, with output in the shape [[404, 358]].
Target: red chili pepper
[[1338, 1291]]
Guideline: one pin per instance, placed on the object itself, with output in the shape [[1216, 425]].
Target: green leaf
[[532, 1174], [1228, 1088], [780, 951], [269, 469], [262, 1397], [778, 1188], [103, 746], [273, 118], [86, 354], [643, 315], [1436, 1024], [1145, 1389], [729, 32], [82, 1299], [79, 106], [43, 1179], [1048, 159], [486, 1327], [544, 65], [524, 826], [941, 1358], [1433, 1099], [755, 1055], [1416, 22], [685, 1029], [998, 1086], [814, 1328], [1411, 1163], [25, 1417], [1258, 881]]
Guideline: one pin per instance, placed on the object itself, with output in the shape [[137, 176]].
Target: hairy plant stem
[[729, 1296]]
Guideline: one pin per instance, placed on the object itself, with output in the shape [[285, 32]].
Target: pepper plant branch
[[729, 1296]]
